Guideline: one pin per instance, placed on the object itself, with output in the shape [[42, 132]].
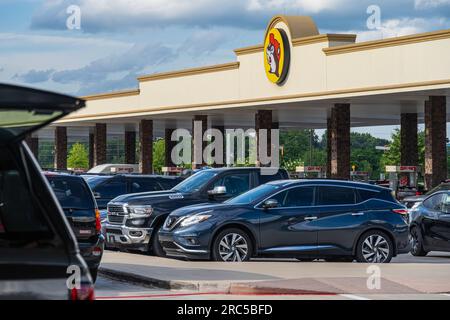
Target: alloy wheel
[[233, 247], [375, 249]]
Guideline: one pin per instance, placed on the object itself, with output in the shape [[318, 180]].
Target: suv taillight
[[403, 212], [84, 293], [98, 224]]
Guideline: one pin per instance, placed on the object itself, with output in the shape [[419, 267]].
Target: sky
[[119, 40]]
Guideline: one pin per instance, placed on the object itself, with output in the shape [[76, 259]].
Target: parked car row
[[228, 214]]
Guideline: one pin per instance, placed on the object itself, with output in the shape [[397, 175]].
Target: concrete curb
[[225, 287], [146, 281]]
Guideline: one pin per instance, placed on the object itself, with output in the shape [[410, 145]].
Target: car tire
[[374, 246], [94, 273], [156, 247], [232, 245], [417, 249]]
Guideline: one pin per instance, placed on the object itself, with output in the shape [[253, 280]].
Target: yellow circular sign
[[276, 55]]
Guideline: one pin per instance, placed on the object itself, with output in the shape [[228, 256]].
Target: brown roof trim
[[270, 99], [115, 94], [302, 41], [397, 41], [190, 72]]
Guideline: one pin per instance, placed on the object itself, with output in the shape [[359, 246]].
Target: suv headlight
[[196, 218], [139, 211]]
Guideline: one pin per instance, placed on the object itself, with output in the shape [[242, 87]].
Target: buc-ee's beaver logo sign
[[277, 55]]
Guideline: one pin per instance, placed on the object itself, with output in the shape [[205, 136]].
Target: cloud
[[427, 4], [120, 15], [107, 15], [116, 70], [35, 76], [400, 27]]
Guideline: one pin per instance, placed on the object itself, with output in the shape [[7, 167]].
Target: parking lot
[[142, 277]]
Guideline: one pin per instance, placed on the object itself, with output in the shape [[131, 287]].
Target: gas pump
[[310, 172], [403, 180], [361, 176]]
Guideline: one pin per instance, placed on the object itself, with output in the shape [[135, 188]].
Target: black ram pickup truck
[[135, 219]]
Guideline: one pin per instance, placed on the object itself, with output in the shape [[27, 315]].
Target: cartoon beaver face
[[273, 55]]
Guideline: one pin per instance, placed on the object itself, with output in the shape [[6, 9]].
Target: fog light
[[97, 252], [136, 233]]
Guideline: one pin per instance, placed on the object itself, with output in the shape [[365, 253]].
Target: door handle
[[358, 213], [310, 218]]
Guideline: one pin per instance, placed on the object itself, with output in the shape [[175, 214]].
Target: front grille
[[168, 245], [117, 209], [115, 219], [114, 231]]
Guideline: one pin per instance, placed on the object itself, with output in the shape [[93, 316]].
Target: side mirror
[[270, 204], [219, 190], [97, 195]]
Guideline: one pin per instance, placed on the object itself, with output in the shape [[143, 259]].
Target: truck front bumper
[[123, 237]]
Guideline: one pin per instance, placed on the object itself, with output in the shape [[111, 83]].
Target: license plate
[[111, 238], [85, 232]]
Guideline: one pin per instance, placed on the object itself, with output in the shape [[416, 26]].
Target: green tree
[[159, 149], [393, 155], [78, 157]]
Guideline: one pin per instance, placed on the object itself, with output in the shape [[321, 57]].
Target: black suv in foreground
[[134, 219], [39, 255], [304, 219], [81, 210]]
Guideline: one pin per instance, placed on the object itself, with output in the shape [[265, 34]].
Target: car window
[[144, 185], [264, 178], [446, 203], [295, 197], [20, 220], [167, 184], [235, 184], [328, 195], [195, 182], [71, 193], [253, 195], [365, 195], [434, 202], [111, 189]]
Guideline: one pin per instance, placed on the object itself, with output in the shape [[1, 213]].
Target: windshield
[[71, 193], [195, 182], [254, 195], [94, 181], [441, 187]]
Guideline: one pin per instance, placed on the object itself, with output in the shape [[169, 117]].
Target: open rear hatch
[[24, 110]]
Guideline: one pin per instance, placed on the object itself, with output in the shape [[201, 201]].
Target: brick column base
[[263, 120], [61, 148], [197, 163], [408, 135], [146, 146], [130, 147], [169, 144], [435, 141], [340, 141], [99, 144]]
